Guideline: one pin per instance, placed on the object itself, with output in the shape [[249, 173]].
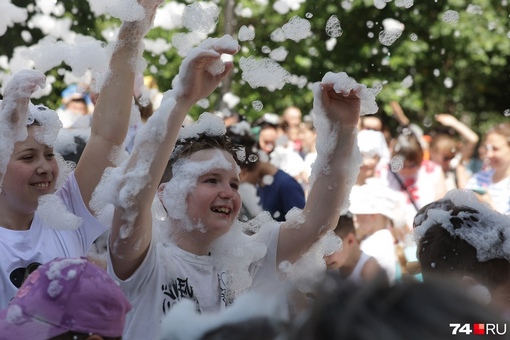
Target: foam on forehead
[[462, 215], [184, 180], [49, 122], [208, 124]]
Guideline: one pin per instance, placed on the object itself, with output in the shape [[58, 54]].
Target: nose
[[44, 167], [227, 192]]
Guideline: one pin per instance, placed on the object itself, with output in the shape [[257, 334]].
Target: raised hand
[[343, 107], [339, 97], [17, 94], [202, 70], [446, 119]]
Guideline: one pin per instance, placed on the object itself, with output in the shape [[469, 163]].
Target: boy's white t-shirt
[[169, 274], [41, 243], [381, 246], [355, 276]]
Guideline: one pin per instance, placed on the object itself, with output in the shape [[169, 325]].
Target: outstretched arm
[[337, 108], [111, 114], [131, 232]]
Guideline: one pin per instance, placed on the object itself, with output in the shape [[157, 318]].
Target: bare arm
[[469, 137], [399, 114], [111, 114], [149, 159], [334, 172]]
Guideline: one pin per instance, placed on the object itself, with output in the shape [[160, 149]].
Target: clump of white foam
[[297, 29], [333, 28], [66, 140], [294, 218], [50, 124], [10, 15], [200, 17], [309, 270], [279, 54], [126, 10], [246, 33], [55, 273], [478, 224], [64, 169], [451, 17], [15, 314], [263, 73], [54, 213], [254, 225], [234, 252], [183, 322], [207, 123]]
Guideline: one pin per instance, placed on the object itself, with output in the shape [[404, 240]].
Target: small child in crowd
[[352, 263], [379, 218]]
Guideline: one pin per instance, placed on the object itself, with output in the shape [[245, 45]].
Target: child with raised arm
[[199, 193], [31, 234]]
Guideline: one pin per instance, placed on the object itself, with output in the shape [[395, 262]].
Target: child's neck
[[349, 264], [15, 221]]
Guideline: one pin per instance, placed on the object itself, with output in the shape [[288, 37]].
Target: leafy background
[[458, 67]]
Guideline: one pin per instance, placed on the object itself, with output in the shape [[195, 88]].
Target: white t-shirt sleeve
[[91, 228]]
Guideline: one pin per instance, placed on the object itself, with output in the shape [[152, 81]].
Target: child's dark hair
[[444, 255], [187, 147], [406, 310], [345, 225], [249, 144]]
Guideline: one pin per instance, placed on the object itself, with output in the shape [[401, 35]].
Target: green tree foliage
[[452, 55]]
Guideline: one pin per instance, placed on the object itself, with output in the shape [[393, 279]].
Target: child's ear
[[350, 238]]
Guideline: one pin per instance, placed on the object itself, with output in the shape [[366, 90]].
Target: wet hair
[[247, 143], [445, 255], [408, 146], [406, 310], [186, 147], [345, 225]]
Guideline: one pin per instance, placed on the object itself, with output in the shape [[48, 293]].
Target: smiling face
[[32, 172], [497, 151], [215, 202]]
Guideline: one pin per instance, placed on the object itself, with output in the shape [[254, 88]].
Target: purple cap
[[65, 295]]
